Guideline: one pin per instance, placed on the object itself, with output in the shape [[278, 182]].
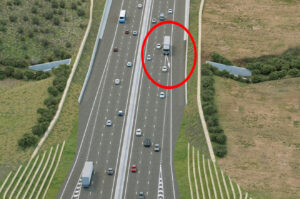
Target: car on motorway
[[120, 113], [116, 49], [126, 32], [164, 69], [140, 5], [129, 64], [162, 17], [134, 33], [110, 171], [147, 142], [138, 132], [141, 195], [161, 95], [148, 57], [117, 81], [156, 147], [108, 123], [154, 20], [170, 11], [158, 46], [133, 168]]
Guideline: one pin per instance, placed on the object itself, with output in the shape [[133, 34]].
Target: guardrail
[[97, 43]]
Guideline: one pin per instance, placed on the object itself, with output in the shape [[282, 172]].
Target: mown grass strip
[[23, 182], [200, 176], [12, 181], [218, 180], [189, 174], [225, 184], [212, 179], [5, 181], [206, 178], [194, 174]]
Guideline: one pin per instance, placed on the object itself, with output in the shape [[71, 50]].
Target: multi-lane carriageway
[[117, 146]]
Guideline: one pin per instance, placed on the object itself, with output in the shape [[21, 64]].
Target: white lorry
[[87, 173], [167, 45]]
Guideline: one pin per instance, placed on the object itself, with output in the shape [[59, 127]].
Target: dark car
[[141, 195], [116, 49], [126, 32], [147, 142]]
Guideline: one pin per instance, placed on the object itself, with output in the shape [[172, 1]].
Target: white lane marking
[[160, 191]]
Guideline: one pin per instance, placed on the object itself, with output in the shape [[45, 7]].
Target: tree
[[267, 69], [273, 76], [80, 12], [35, 21], [256, 79], [12, 18], [56, 21], [48, 15], [62, 4], [220, 150], [28, 140], [50, 101], [28, 75], [2, 74], [215, 57], [74, 6]]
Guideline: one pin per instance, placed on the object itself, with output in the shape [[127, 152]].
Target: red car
[[133, 168]]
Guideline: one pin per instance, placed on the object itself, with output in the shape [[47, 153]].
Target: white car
[[164, 69], [148, 57], [108, 123], [162, 95], [138, 132], [170, 11], [134, 33], [158, 46], [129, 64], [117, 81], [140, 5], [154, 20]]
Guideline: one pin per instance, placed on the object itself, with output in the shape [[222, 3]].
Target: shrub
[[74, 6], [80, 12], [215, 57], [17, 2], [256, 79], [60, 12], [25, 18], [45, 43], [20, 30], [267, 69], [209, 109], [56, 21], [12, 18], [215, 129], [54, 4], [48, 15], [68, 45], [212, 120], [28, 140], [82, 26], [35, 21], [34, 10], [220, 150], [18, 74], [38, 130], [53, 91], [2, 74], [62, 4], [273, 76], [30, 34], [281, 74], [50, 101], [9, 71], [28, 75], [294, 72]]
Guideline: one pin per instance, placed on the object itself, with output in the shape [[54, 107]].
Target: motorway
[[160, 119]]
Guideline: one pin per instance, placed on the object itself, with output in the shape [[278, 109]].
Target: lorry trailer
[[167, 45], [87, 173]]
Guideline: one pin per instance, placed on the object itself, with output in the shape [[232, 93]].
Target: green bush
[[62, 4], [54, 4], [48, 15], [29, 75], [80, 12], [12, 18], [38, 130], [220, 150], [18, 74], [2, 74], [28, 140], [25, 18], [34, 10], [74, 6], [53, 91], [274, 76], [215, 57], [256, 79], [294, 72], [56, 21], [9, 71], [35, 21], [50, 101]]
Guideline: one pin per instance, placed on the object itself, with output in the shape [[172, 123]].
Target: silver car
[[156, 147], [129, 64], [154, 20], [162, 95], [158, 46], [134, 33], [148, 57], [140, 5], [138, 132], [164, 69], [170, 11], [108, 123], [117, 81]]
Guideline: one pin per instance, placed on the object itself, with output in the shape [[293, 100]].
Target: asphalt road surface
[[160, 119]]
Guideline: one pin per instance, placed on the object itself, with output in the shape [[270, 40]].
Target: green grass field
[[18, 104]]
